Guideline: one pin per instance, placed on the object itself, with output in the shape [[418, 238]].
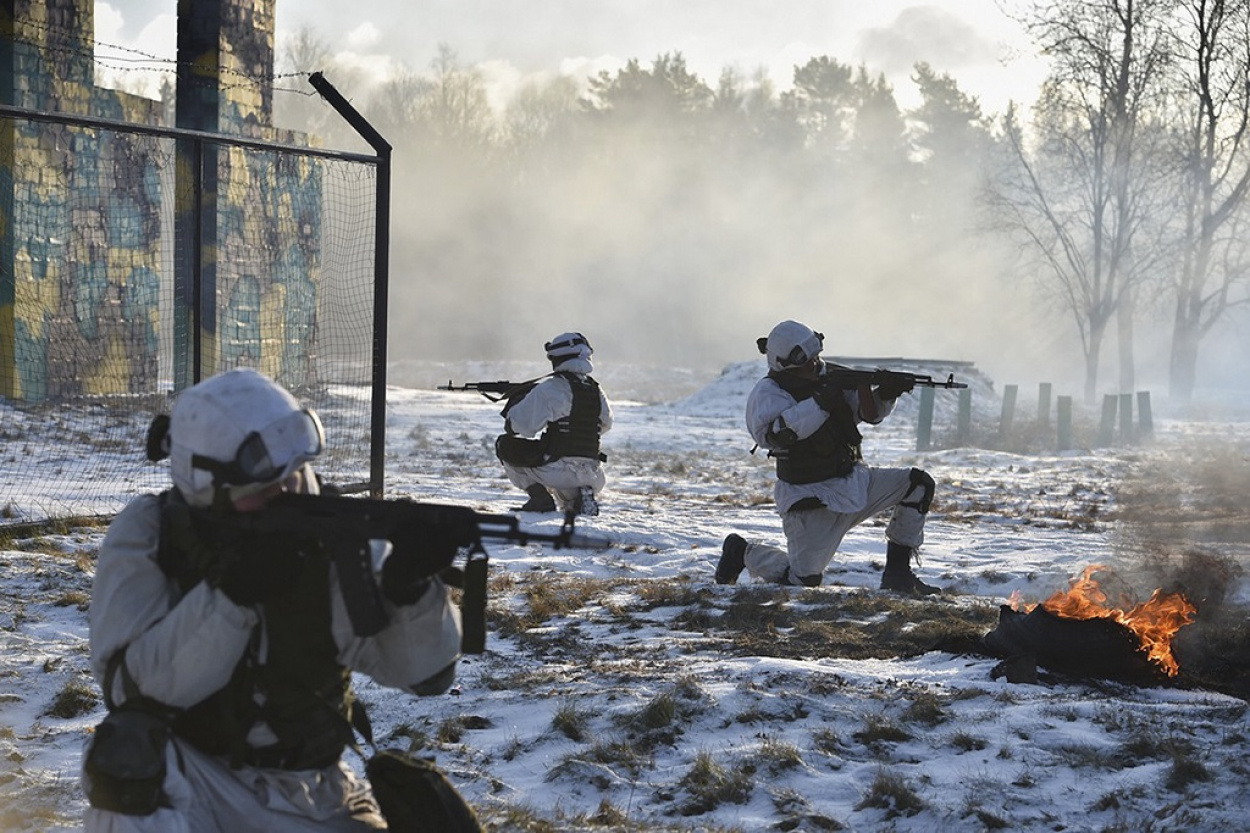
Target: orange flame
[[1154, 622]]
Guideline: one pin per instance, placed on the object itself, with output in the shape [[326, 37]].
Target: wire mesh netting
[[124, 269]]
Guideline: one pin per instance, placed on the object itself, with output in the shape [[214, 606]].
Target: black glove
[[895, 385], [827, 396], [418, 551], [260, 571]]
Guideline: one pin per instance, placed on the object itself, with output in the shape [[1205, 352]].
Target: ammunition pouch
[[805, 468], [519, 451], [125, 762]]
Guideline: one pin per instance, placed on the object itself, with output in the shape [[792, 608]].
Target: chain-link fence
[[135, 260]]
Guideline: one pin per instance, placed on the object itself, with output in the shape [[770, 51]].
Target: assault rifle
[[495, 391], [344, 526], [846, 377]]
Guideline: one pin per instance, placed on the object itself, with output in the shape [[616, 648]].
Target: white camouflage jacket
[[771, 408], [552, 400], [180, 649]]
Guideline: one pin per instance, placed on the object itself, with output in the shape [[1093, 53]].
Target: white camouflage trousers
[[565, 477], [210, 797], [813, 536]]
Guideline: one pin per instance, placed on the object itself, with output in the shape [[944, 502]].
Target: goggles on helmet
[[803, 353], [568, 343], [270, 454]]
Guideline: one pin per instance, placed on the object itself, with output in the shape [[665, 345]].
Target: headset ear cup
[[158, 438]]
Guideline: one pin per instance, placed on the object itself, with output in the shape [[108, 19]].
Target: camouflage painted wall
[[80, 220], [260, 274]]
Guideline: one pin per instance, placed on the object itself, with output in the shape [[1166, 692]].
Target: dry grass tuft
[[891, 792]]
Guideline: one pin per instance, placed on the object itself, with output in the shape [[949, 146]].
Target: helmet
[[568, 346], [791, 344], [236, 434]]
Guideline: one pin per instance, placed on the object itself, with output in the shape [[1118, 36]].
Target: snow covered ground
[[625, 690]]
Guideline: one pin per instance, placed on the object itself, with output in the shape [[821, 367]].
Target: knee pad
[[921, 479]]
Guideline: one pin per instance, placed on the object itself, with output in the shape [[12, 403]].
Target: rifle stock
[[345, 526]]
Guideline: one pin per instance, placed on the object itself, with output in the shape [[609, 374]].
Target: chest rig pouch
[[300, 691], [125, 760], [831, 451]]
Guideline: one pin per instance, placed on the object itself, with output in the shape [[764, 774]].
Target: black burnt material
[[1093, 648]]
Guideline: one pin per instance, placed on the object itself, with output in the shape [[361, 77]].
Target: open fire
[[1154, 622]]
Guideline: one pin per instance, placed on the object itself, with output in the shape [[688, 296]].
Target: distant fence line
[[1118, 426]]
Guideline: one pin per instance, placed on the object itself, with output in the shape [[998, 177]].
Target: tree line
[[683, 206]]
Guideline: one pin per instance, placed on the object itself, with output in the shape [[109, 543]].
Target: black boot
[[898, 576], [540, 499], [732, 560], [586, 503]]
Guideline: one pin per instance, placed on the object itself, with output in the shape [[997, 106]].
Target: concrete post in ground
[[924, 423], [1106, 428], [963, 430], [1009, 411], [1043, 403], [1145, 419], [1126, 419], [1063, 421]]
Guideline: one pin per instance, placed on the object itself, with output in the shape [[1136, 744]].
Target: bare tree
[[296, 104], [396, 104], [455, 107], [1214, 113], [539, 130], [1080, 197]]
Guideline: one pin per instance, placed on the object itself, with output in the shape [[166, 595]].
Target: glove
[[895, 385], [263, 570], [417, 551], [827, 396], [402, 579]]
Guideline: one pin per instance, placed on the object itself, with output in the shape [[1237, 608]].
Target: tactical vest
[[300, 690], [576, 435], [831, 451]]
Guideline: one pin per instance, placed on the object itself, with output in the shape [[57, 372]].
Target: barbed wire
[[58, 41]]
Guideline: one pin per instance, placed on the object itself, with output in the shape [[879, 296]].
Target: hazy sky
[[510, 41], [973, 40]]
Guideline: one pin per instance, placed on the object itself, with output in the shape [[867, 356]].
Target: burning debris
[[1076, 632]]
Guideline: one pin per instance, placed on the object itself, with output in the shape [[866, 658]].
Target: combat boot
[[585, 503], [898, 576], [540, 499], [732, 559]]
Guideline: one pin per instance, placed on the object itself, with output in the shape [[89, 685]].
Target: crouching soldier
[[227, 672], [570, 412], [823, 487]]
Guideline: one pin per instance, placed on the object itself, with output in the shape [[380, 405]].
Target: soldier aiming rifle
[[552, 426], [806, 413], [229, 612]]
